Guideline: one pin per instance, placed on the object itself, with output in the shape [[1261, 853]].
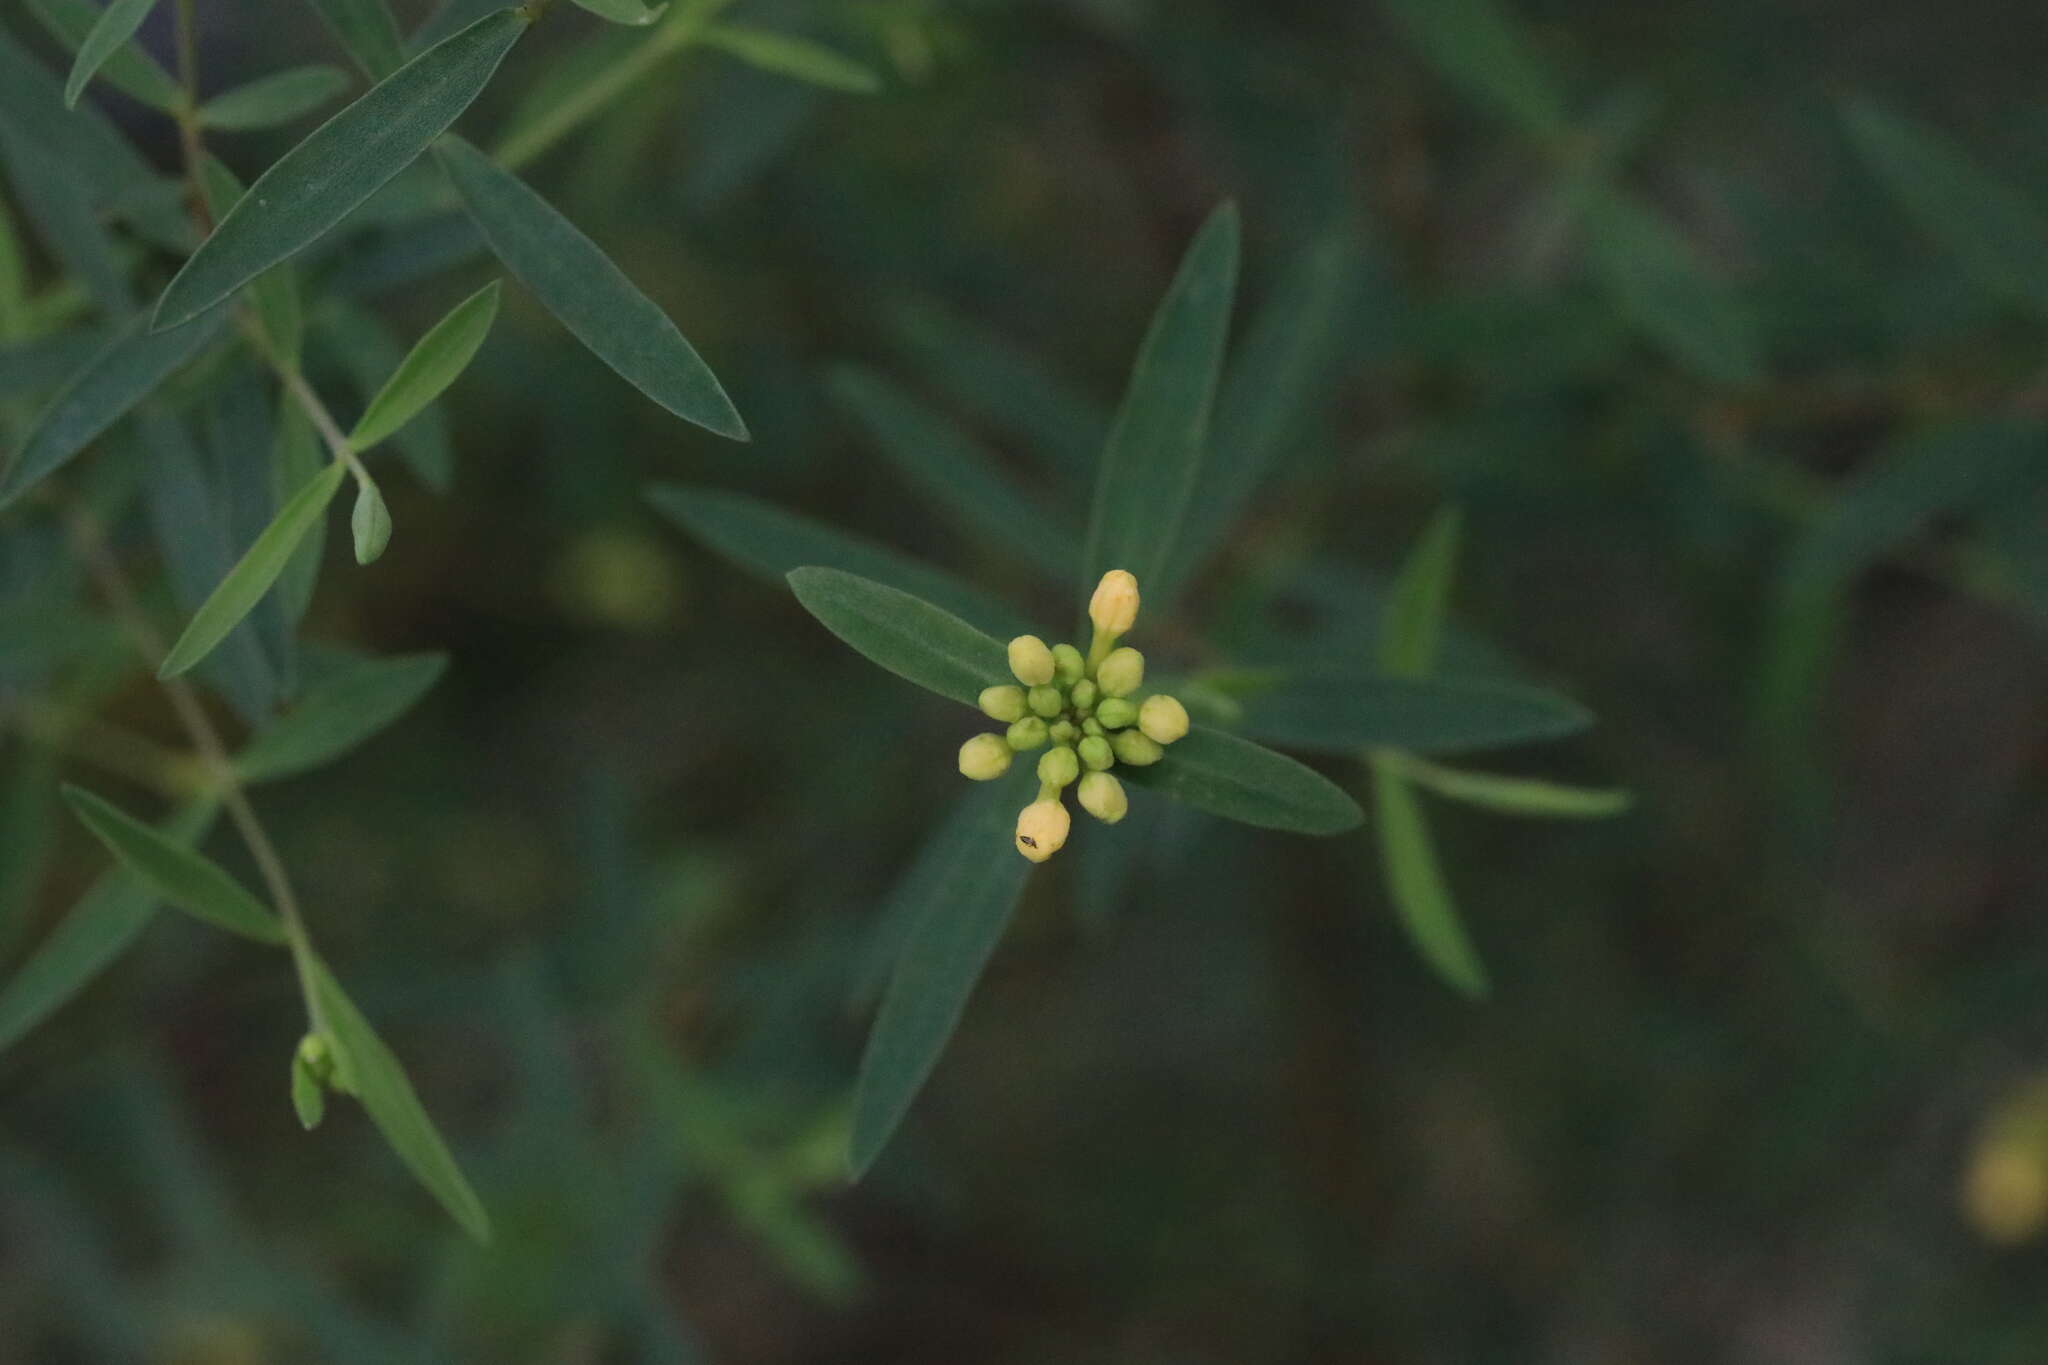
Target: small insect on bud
[[1114, 607], [1095, 753], [1102, 796], [1067, 664], [1163, 718], [1116, 712], [1031, 661], [1042, 829], [1058, 767], [1134, 748], [1004, 703], [1045, 701], [1122, 673], [1026, 734], [1064, 731], [1085, 695], [984, 758]]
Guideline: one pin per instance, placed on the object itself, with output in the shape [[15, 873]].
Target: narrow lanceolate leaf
[[335, 716], [1415, 882], [273, 100], [768, 541], [1342, 713], [1413, 629], [430, 367], [579, 284], [296, 459], [957, 898], [1659, 283], [906, 635], [1239, 780], [127, 68], [365, 1068], [125, 372], [784, 54], [246, 583], [189, 880], [1996, 234], [368, 33], [1508, 795], [1477, 47], [100, 926], [629, 12], [1154, 453], [370, 522], [340, 164], [955, 474], [276, 290], [115, 26]]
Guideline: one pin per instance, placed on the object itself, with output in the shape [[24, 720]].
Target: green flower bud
[[1085, 695], [1045, 701], [1114, 607], [1122, 673], [1115, 712], [1026, 734], [1102, 796], [1058, 767], [984, 758], [1064, 732], [1163, 718], [1004, 703], [1135, 748], [1067, 664], [1042, 829], [1092, 726], [1031, 661], [1095, 753]]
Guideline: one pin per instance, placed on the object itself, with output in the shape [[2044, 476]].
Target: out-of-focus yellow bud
[[1026, 734], [1095, 753], [1067, 664], [1163, 718], [1116, 712], [984, 758], [1058, 767], [1102, 796], [1042, 829], [1031, 661], [2005, 1192], [1122, 673], [1004, 703], [1045, 701], [1135, 748], [1114, 607]]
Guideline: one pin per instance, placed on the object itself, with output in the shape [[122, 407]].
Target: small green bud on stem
[[1067, 664], [1031, 661], [1058, 767], [1045, 700], [1163, 718], [1063, 732], [1116, 712], [984, 758], [1026, 734], [1135, 748], [1004, 703], [1095, 753], [1092, 726], [1122, 673], [1102, 796], [1084, 696]]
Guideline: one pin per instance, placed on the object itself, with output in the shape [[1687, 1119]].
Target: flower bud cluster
[[1089, 708]]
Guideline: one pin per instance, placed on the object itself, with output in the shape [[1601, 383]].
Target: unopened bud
[[1004, 703], [1163, 718], [1092, 726], [1045, 701], [1116, 712], [1114, 607], [984, 758], [1122, 673], [1095, 753], [1058, 767], [1042, 829], [1064, 732], [1067, 663], [1031, 661], [1085, 695], [1135, 748], [1026, 734], [1102, 796]]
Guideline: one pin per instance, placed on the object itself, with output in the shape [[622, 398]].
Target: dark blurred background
[[1759, 1080]]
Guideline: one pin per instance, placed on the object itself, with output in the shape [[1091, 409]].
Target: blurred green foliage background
[[1744, 407]]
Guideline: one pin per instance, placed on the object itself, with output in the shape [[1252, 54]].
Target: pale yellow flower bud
[[1027, 733], [1163, 718], [1042, 829], [1058, 766], [1122, 673], [1031, 661], [1114, 607], [984, 758], [1102, 796], [1134, 748], [1004, 703]]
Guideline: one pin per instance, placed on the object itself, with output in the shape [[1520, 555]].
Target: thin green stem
[[139, 759]]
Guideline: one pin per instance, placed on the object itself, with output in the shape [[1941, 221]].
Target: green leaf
[[276, 290], [296, 459], [106, 168], [252, 576], [1507, 795], [956, 475], [188, 880], [338, 714], [957, 898], [125, 372], [906, 635], [578, 284], [784, 54], [370, 522], [274, 99], [1154, 454], [50, 191], [766, 540], [1342, 713], [1996, 234], [365, 1068], [1416, 883], [100, 926], [367, 32], [127, 68], [429, 368], [1413, 629], [1239, 780], [109, 33], [1475, 46], [340, 164], [358, 342], [630, 12], [1659, 283]]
